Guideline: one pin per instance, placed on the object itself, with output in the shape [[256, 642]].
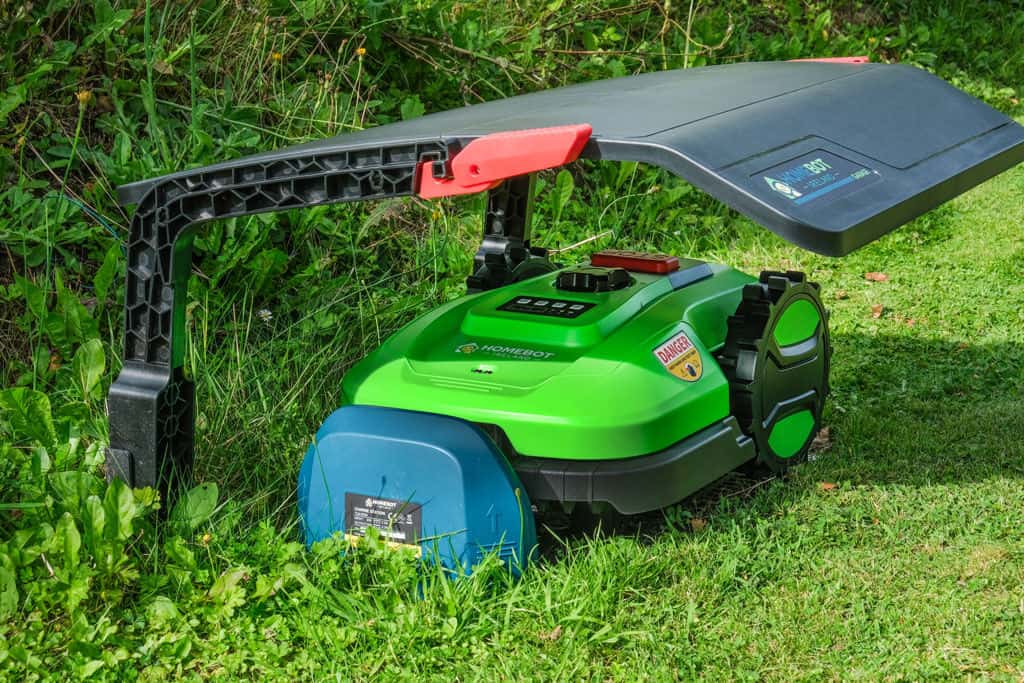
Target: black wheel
[[776, 358]]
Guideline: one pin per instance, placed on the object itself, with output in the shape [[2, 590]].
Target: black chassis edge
[[643, 483]]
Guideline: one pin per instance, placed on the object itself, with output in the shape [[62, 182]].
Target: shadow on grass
[[904, 411]]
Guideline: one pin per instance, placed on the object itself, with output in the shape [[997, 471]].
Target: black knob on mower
[[590, 279]]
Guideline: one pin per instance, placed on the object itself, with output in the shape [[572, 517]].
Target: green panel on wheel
[[790, 433], [798, 322]]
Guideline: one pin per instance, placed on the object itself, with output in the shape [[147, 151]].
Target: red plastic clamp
[[488, 160]]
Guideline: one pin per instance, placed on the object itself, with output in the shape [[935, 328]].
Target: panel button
[[551, 308]]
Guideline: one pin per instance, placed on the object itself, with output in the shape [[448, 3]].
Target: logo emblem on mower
[[782, 188], [500, 351], [680, 357]]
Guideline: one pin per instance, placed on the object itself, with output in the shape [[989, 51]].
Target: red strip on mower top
[[860, 59]]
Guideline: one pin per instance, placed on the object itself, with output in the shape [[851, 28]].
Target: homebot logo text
[[515, 352], [797, 175]]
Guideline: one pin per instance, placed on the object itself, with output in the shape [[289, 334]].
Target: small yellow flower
[[436, 214], [360, 51], [84, 97], [205, 539], [276, 57]]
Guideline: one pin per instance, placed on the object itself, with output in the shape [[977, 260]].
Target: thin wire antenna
[[588, 240]]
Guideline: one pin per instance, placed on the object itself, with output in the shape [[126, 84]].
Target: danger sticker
[[680, 357]]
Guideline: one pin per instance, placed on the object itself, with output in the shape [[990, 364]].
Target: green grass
[[897, 554]]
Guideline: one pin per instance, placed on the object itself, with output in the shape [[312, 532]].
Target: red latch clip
[[637, 261], [488, 160]]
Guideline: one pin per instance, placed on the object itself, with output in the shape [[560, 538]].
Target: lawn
[[896, 554]]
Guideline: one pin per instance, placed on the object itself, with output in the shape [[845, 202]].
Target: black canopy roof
[[830, 156]]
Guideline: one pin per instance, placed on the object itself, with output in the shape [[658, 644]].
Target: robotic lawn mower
[[630, 380]]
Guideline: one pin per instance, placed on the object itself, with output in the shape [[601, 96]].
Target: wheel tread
[[744, 356]]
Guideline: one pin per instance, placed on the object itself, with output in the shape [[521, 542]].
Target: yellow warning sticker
[[681, 358]]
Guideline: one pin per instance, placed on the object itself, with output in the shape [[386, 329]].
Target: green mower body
[[558, 368], [587, 387]]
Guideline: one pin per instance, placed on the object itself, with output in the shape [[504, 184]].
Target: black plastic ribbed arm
[[150, 404]]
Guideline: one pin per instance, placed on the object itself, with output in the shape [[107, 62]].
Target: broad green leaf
[[161, 611], [227, 584], [564, 185], [412, 107], [12, 100], [70, 542], [294, 571], [78, 589], [122, 153], [267, 266], [71, 323], [73, 488], [95, 519], [62, 331], [267, 586], [35, 296], [196, 506], [180, 650], [177, 550], [8, 587], [119, 506], [66, 450], [27, 411], [822, 21], [105, 275], [40, 461], [106, 21], [103, 12], [147, 498], [89, 363], [88, 668], [41, 361], [626, 171], [36, 255], [227, 591]]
